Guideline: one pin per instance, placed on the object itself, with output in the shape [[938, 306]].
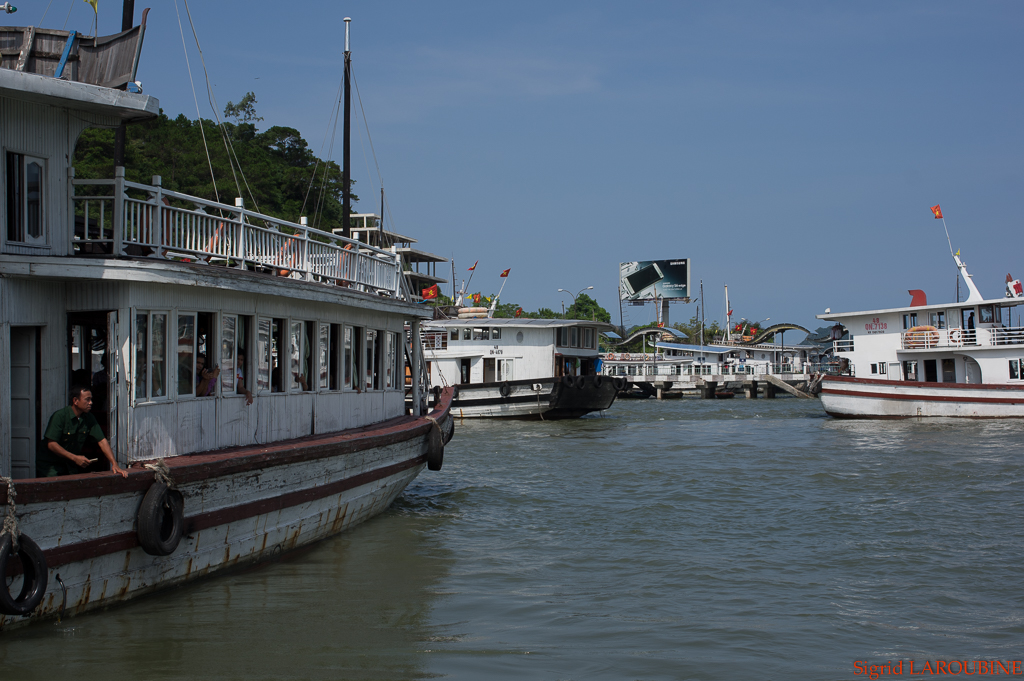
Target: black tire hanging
[[598, 380], [567, 381], [435, 448], [34, 573], [161, 520], [580, 382], [619, 383], [505, 389]]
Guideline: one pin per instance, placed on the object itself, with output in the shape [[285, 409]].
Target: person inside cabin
[[206, 379], [66, 433], [240, 378], [970, 322]]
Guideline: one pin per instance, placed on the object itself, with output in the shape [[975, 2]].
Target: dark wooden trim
[[93, 548]]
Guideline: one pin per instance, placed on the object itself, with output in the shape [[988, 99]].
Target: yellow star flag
[[94, 4]]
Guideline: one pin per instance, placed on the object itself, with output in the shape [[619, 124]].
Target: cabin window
[[495, 334], [323, 357], [277, 361], [453, 334], [505, 370], [1014, 369], [228, 325], [874, 368], [574, 337], [480, 334], [881, 367], [588, 338], [26, 199], [910, 370], [372, 357], [353, 357], [938, 320], [467, 334], [150, 355], [300, 355], [390, 366], [186, 353], [264, 335], [985, 314], [910, 320], [562, 337]]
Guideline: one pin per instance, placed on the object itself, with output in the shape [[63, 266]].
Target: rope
[[199, 117], [162, 473], [11, 519]]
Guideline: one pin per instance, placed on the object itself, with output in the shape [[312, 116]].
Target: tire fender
[[435, 447], [160, 523], [34, 573], [580, 382], [505, 389]]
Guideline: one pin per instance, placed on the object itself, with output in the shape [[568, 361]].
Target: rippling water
[[666, 540]]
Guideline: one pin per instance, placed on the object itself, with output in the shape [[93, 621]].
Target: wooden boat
[[121, 286], [960, 359]]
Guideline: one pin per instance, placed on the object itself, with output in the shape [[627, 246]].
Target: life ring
[[34, 574], [580, 382], [955, 336], [435, 447], [618, 383], [161, 520], [610, 357], [921, 337], [505, 389]]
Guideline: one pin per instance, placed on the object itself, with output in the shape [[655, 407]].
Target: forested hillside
[[276, 164]]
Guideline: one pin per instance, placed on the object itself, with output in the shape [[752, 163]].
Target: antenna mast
[[346, 171]]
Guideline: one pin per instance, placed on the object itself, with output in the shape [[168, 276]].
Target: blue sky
[[790, 149]]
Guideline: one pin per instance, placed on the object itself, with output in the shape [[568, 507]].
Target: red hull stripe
[[924, 384], [924, 398], [62, 555]]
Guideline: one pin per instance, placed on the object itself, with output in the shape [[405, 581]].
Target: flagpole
[[947, 236], [494, 304]]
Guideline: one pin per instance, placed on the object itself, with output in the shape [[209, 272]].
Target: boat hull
[[241, 507], [848, 397], [548, 398]]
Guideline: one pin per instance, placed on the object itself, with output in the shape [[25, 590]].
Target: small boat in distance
[[961, 359]]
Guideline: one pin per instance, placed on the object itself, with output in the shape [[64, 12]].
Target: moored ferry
[[139, 294], [525, 368], [960, 359]]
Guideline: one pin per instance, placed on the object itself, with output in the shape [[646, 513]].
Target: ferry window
[[399, 363], [1014, 369], [389, 360], [909, 320], [300, 355], [264, 334], [910, 370], [588, 338], [505, 370], [881, 367], [985, 314], [453, 334], [938, 320], [334, 359], [467, 334], [874, 368], [186, 352], [323, 363], [372, 377], [353, 357], [25, 199], [206, 344], [278, 361], [495, 334], [563, 337], [574, 337], [228, 323], [150, 355], [480, 334]]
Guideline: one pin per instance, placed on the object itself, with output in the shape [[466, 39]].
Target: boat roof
[[525, 323], [1002, 302], [698, 348], [410, 254], [31, 87]]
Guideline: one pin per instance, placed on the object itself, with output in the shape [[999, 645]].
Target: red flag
[[473, 267], [519, 311], [937, 211], [505, 273], [429, 293], [730, 314], [476, 298], [738, 327]]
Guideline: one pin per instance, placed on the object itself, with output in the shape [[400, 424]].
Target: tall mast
[[346, 169]]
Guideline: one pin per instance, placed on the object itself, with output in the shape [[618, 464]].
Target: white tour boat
[[954, 359], [536, 368], [121, 286]]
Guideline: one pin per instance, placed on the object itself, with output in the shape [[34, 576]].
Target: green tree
[[244, 111], [585, 307]]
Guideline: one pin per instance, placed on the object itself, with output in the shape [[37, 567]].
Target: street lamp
[[574, 296]]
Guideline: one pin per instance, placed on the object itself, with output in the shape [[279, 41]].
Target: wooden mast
[[346, 170]]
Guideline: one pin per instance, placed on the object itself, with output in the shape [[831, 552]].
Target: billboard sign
[[643, 280]]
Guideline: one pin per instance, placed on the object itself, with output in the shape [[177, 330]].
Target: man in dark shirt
[[67, 432]]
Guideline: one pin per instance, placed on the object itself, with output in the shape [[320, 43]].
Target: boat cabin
[[132, 290]]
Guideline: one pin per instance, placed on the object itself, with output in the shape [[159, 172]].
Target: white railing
[[146, 223], [843, 345], [958, 338]]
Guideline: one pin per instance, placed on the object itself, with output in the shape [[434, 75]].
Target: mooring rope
[[11, 519], [162, 473]]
